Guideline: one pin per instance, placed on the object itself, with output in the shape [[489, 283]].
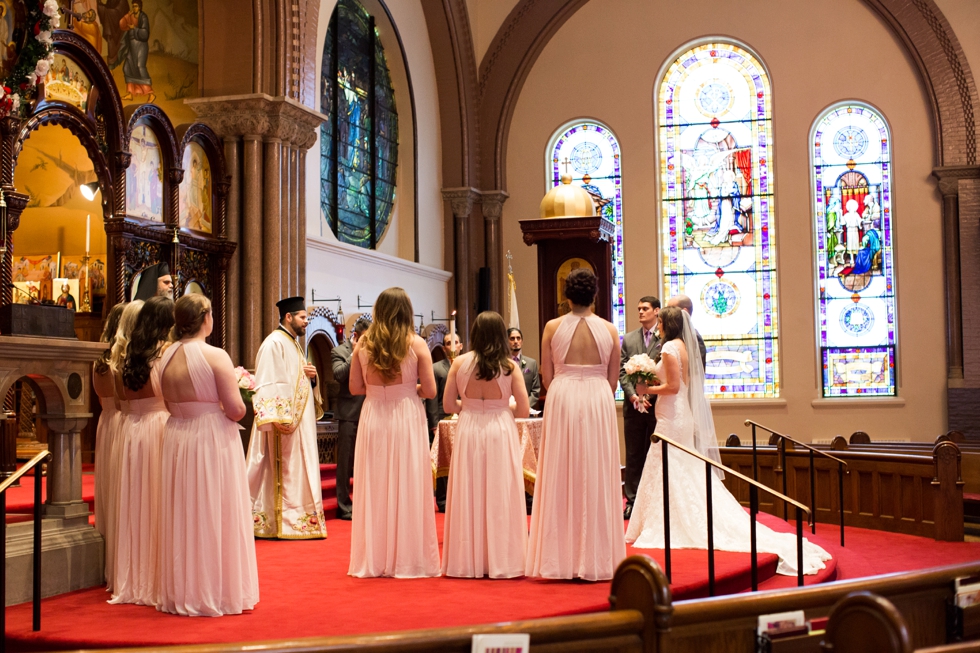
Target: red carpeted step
[[21, 499]]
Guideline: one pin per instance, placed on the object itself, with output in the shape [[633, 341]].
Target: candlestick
[[88, 233], [452, 335]]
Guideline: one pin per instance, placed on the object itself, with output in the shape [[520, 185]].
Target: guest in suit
[[348, 412], [684, 302], [528, 365], [434, 407], [638, 426]]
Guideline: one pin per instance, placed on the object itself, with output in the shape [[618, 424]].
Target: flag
[[513, 321]]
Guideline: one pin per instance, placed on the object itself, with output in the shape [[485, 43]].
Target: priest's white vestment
[[283, 465]]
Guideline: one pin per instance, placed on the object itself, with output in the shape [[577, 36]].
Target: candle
[[452, 335], [88, 233]]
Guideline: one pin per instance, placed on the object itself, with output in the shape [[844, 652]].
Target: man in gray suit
[[638, 426], [529, 366], [433, 407], [348, 412], [684, 302]]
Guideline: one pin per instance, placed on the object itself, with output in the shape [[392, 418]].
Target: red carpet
[[305, 592], [301, 581]]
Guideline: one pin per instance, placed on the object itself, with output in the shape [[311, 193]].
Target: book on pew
[[967, 591], [782, 622]]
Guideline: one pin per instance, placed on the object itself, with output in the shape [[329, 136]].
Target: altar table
[[529, 431]]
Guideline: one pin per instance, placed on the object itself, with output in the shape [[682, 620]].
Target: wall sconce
[[89, 190]]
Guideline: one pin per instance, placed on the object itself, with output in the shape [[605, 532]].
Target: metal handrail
[[754, 487], [13, 478], [841, 464], [36, 612]]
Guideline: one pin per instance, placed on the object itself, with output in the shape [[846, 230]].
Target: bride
[[683, 415]]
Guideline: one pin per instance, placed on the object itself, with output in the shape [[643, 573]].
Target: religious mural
[[855, 265], [67, 82], [144, 176], [59, 225], [715, 120], [150, 45], [195, 190]]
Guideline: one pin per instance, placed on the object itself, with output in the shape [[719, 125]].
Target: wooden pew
[[644, 619], [910, 493], [863, 621]]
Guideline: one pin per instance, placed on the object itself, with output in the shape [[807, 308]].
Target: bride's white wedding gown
[[688, 514]]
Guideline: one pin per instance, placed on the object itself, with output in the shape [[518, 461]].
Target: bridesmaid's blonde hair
[[387, 340], [126, 325]]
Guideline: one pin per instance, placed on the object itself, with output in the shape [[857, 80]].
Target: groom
[[638, 426]]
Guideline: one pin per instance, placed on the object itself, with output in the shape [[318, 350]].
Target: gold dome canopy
[[567, 200]]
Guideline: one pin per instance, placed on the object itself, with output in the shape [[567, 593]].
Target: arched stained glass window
[[592, 155], [715, 122], [359, 143], [851, 153]]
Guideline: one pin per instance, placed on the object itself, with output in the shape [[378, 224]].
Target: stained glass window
[[359, 143], [855, 264], [592, 154], [715, 122]]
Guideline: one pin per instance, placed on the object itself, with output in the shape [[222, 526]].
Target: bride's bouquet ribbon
[[640, 368]]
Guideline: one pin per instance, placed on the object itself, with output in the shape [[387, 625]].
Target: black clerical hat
[[148, 280], [290, 305]]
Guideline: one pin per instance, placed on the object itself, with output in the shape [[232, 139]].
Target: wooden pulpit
[[564, 244]]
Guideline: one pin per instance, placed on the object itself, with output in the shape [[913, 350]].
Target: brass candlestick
[[85, 289]]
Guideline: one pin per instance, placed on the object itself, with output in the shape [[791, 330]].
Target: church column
[[960, 187], [251, 249], [233, 231], [272, 234], [290, 208], [461, 200], [64, 482], [492, 203], [301, 261]]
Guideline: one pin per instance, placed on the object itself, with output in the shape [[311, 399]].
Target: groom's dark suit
[[637, 426]]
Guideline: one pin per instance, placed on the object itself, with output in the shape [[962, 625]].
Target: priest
[[155, 280], [283, 465]]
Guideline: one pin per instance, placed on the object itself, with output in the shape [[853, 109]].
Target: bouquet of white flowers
[[640, 368]]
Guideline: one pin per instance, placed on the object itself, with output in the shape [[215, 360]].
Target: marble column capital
[[492, 202], [258, 114], [461, 200], [949, 177]]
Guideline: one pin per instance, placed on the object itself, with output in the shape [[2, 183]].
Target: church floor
[[305, 592]]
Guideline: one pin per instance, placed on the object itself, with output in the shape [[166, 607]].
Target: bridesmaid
[[108, 427], [577, 516], [117, 358], [139, 472], [207, 549], [394, 527], [486, 519]]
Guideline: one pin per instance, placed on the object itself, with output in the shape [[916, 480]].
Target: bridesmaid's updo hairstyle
[[151, 332], [386, 341], [488, 338], [581, 286], [109, 337], [189, 313]]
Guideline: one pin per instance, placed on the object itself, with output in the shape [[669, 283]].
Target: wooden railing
[[644, 619], [35, 464], [896, 492]]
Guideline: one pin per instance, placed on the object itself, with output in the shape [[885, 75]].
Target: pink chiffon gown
[[577, 517], [138, 532], [393, 532], [106, 501], [207, 547], [486, 520]]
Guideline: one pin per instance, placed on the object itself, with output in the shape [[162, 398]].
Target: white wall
[[334, 268], [843, 51]]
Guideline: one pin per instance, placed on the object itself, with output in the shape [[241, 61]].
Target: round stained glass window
[[714, 99], [857, 319], [720, 298], [851, 142], [586, 158]]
